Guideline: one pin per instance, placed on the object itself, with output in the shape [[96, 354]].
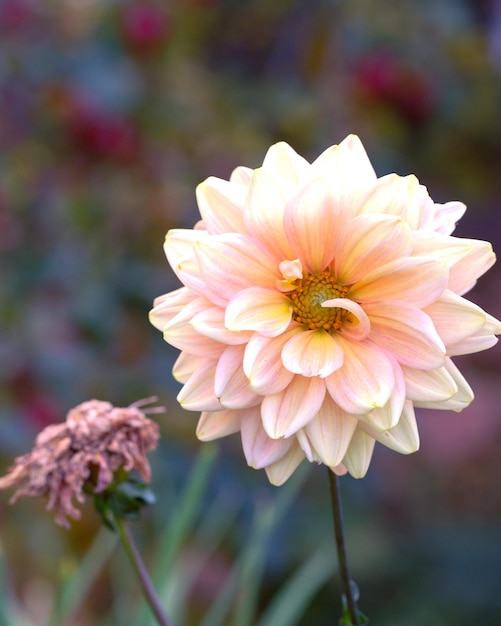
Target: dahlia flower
[[320, 305]]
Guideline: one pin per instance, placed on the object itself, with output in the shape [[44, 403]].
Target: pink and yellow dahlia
[[321, 305]]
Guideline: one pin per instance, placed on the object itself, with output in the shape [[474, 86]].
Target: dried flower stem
[[344, 572], [139, 567]]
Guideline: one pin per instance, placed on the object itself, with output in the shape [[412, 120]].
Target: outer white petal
[[312, 219], [283, 469], [232, 262], [367, 242], [168, 306], [312, 353], [446, 216], [198, 393], [388, 415], [414, 280], [179, 250], [210, 323], [221, 205], [259, 449], [403, 438], [407, 333], [394, 195], [455, 318], [359, 455], [263, 310], [429, 385], [285, 413], [365, 381], [241, 175], [347, 166], [216, 424], [180, 334], [330, 433], [231, 385], [481, 340], [460, 400], [264, 210], [284, 162], [185, 365], [263, 363]]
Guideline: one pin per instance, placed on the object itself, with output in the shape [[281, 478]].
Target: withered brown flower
[[82, 455]]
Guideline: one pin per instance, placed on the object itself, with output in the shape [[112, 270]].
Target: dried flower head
[[320, 305], [82, 455]]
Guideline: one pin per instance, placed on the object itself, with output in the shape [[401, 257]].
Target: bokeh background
[[111, 111]]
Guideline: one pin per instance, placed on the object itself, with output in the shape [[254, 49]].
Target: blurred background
[[111, 111]]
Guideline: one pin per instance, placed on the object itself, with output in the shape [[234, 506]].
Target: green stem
[[139, 567], [344, 572]]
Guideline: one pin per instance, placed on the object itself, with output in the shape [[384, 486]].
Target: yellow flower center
[[307, 299]]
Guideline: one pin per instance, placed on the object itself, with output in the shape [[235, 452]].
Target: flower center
[[307, 299]]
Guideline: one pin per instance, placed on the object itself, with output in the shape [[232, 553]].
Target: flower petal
[[216, 424], [415, 280], [481, 340], [367, 242], [311, 221], [283, 469], [455, 318], [283, 161], [365, 381], [357, 326], [210, 323], [284, 413], [388, 415], [429, 385], [407, 333], [221, 205], [263, 363], [259, 449], [359, 455], [403, 438], [446, 216], [185, 365], [264, 310], [198, 393], [241, 175], [232, 262], [347, 166], [168, 306], [312, 353], [264, 209], [460, 400], [330, 432], [231, 385]]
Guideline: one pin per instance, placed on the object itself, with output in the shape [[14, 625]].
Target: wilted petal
[[367, 242], [281, 470], [359, 455], [216, 424], [330, 432], [403, 437], [221, 205], [312, 353], [266, 311], [366, 379], [286, 412]]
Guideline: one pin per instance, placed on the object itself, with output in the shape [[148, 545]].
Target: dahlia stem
[[139, 567], [348, 586]]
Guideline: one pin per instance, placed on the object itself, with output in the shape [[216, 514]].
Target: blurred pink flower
[[320, 305]]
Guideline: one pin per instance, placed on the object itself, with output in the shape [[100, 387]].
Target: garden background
[[111, 112]]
